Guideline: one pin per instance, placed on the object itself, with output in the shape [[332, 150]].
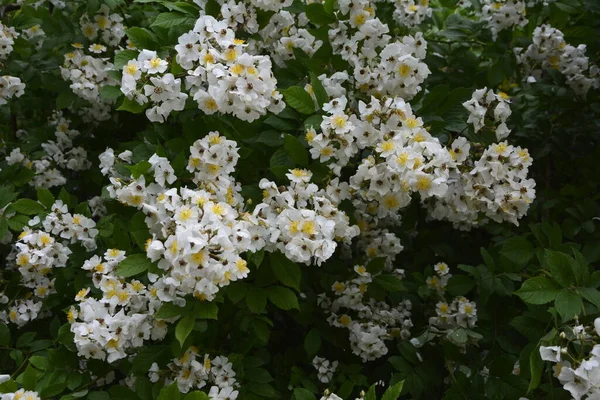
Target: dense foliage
[[332, 199]]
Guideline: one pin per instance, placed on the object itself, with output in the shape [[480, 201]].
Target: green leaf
[[169, 310], [376, 265], [299, 99], [39, 362], [282, 297], [318, 90], [6, 196], [390, 283], [312, 342], [45, 197], [184, 328], [591, 294], [206, 310], [295, 150], [4, 335], [131, 106], [285, 270], [65, 99], [123, 57], [568, 303], [393, 392], [538, 290], [139, 169], [316, 14], [559, 265], [371, 394], [536, 366], [3, 226], [142, 38], [256, 299], [303, 394], [133, 265], [196, 395], [27, 207], [517, 249], [170, 392], [172, 19], [108, 92]]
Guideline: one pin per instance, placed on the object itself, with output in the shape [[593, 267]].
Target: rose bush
[[339, 199]]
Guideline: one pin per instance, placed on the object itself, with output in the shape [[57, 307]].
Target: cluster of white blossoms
[[20, 394], [494, 187], [284, 33], [142, 81], [369, 322], [10, 86], [494, 106], [88, 74], [379, 66], [301, 220], [37, 252], [191, 371], [56, 155], [439, 281], [412, 12], [222, 76], [549, 50], [103, 27], [325, 368], [121, 320], [578, 368], [8, 34], [499, 14], [198, 235]]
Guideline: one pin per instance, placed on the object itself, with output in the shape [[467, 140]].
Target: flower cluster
[[412, 12], [325, 368], [197, 235], [10, 86], [222, 76], [495, 106], [103, 26], [301, 220], [164, 92], [284, 33], [191, 371], [379, 66], [107, 328], [494, 187], [503, 14], [20, 394], [88, 74], [8, 34], [549, 50], [578, 374], [369, 322], [59, 154]]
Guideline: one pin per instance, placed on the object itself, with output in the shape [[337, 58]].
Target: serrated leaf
[[256, 299], [295, 150], [285, 270], [282, 297], [318, 90], [303, 394], [131, 106], [142, 38], [109, 92], [27, 207], [172, 19], [536, 366], [312, 342], [206, 310], [393, 392], [133, 265], [169, 310], [538, 290], [568, 304], [299, 99], [184, 328], [123, 57]]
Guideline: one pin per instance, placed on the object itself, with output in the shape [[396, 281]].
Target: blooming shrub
[[338, 199]]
